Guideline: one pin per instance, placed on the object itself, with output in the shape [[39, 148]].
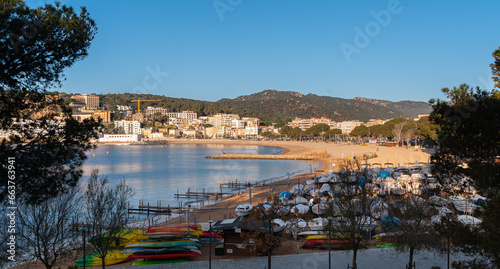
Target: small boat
[[297, 200], [243, 210], [469, 220], [317, 224], [319, 209], [300, 209], [279, 225]]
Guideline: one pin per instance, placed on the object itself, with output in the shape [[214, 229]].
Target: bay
[[158, 172]]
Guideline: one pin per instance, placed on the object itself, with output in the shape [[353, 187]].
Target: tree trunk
[[103, 262], [410, 265], [269, 259], [354, 256]]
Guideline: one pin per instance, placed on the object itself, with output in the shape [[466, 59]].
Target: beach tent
[[285, 194], [384, 174]]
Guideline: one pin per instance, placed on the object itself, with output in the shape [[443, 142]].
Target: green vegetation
[[36, 45], [469, 127], [275, 107]]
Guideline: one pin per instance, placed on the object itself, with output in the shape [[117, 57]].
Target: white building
[[238, 124], [251, 131], [128, 126], [348, 126], [221, 120], [152, 111], [119, 138]]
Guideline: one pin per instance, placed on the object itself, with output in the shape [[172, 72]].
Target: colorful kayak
[[325, 237], [113, 257], [385, 245], [143, 250], [332, 241], [192, 232], [160, 244], [120, 237], [153, 262], [164, 236], [165, 256]]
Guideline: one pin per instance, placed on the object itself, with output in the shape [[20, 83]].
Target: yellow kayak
[[113, 256]]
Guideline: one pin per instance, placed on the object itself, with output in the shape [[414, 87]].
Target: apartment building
[[128, 126], [90, 101]]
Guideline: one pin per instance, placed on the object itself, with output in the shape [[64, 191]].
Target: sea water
[[157, 172]]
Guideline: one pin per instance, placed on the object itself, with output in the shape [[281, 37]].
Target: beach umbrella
[[285, 194]]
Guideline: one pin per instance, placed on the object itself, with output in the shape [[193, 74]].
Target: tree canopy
[[45, 144]]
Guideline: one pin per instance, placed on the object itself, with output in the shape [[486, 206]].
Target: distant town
[[158, 123]]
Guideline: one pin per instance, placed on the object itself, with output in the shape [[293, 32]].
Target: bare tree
[[44, 228], [397, 131], [261, 228], [408, 135], [350, 208], [412, 230], [106, 212]]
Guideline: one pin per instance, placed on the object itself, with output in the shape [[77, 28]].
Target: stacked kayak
[[166, 244], [214, 238], [116, 240], [321, 242], [113, 256]]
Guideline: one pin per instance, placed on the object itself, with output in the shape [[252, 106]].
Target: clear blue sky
[[246, 46]]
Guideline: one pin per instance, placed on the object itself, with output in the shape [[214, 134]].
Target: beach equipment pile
[[166, 244], [114, 254]]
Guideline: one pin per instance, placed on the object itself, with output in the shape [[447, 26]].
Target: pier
[[235, 185], [147, 208], [198, 194]]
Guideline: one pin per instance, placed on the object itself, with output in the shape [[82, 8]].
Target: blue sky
[[209, 50]]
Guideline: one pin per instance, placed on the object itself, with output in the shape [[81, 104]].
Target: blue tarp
[[285, 194], [390, 223], [384, 174]]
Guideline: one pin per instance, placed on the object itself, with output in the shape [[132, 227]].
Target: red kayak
[[164, 256], [207, 234]]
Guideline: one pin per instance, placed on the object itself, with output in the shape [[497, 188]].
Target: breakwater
[[260, 157]]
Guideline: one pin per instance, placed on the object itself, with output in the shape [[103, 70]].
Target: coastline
[[224, 208]]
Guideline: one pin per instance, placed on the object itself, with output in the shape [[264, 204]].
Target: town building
[[89, 101], [154, 111], [223, 120], [119, 138], [128, 127], [305, 124], [102, 114], [348, 126]]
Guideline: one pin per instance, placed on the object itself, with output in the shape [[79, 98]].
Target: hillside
[[272, 106]]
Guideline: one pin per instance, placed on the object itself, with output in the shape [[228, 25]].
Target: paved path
[[370, 258]]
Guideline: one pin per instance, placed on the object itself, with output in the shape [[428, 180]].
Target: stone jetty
[[260, 157]]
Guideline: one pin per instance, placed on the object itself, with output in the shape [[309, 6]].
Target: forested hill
[[271, 105]]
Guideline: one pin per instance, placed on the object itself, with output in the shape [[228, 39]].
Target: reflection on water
[[157, 172]]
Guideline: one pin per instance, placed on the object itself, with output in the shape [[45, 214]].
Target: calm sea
[[156, 172]]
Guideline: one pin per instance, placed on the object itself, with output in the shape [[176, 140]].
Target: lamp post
[[329, 242], [210, 245]]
